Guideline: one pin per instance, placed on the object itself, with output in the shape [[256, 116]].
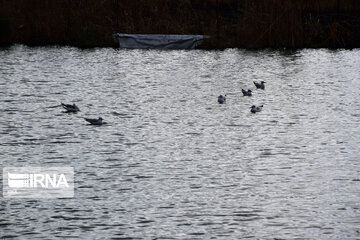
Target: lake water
[[172, 163]]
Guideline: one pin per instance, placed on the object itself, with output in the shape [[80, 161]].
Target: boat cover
[[159, 41]]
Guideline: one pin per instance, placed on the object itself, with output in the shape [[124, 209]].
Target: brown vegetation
[[230, 23]]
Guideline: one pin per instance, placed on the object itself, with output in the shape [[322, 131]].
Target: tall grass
[[230, 23]]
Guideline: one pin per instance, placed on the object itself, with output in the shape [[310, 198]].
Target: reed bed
[[230, 23]]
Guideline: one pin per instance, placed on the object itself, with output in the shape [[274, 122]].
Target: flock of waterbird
[[254, 109], [72, 108]]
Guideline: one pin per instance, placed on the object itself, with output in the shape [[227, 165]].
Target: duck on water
[[70, 108], [255, 109], [246, 93], [94, 121], [222, 99], [260, 85]]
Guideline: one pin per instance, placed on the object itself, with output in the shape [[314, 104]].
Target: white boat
[[158, 41]]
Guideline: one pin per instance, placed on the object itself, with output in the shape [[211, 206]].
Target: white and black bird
[[70, 108], [222, 99], [246, 93], [260, 85], [94, 121], [255, 109]]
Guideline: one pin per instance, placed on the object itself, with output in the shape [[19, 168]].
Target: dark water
[[172, 163]]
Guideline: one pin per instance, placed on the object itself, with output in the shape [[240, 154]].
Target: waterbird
[[70, 108], [260, 85], [255, 109], [94, 121], [222, 99], [246, 93]]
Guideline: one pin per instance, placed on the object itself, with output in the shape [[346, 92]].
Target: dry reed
[[230, 23]]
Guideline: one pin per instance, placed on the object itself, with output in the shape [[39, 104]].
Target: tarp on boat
[[158, 41]]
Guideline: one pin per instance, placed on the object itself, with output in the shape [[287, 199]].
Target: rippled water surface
[[172, 163]]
